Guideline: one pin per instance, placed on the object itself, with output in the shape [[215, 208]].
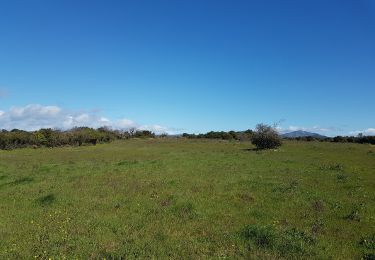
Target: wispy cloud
[[368, 131], [33, 117], [315, 128]]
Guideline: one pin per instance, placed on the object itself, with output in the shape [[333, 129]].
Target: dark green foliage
[[310, 138], [284, 242], [231, 135], [339, 139], [144, 134], [266, 137], [368, 242], [369, 256], [46, 200], [15, 138], [53, 138], [261, 236], [365, 140]]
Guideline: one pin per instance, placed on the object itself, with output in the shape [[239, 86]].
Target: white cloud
[[315, 128], [368, 131], [125, 123], [33, 117], [157, 129]]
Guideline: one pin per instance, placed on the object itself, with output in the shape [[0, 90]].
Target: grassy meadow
[[177, 198]]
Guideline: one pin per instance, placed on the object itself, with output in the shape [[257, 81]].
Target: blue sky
[[188, 66]]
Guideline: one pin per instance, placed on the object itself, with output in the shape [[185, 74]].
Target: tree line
[[75, 137], [266, 130], [231, 135], [263, 136], [360, 139]]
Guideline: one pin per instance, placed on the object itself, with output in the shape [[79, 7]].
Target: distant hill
[[301, 133]]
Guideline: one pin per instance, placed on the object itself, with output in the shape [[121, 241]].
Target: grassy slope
[[168, 198]]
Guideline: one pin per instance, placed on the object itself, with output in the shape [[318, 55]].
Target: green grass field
[[165, 198]]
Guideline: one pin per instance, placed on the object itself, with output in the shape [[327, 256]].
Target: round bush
[[266, 137]]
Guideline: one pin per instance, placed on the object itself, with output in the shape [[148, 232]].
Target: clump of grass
[[46, 200], [185, 210], [368, 242], [261, 236], [342, 177], [166, 202], [354, 215], [318, 206], [294, 241], [23, 180], [317, 226], [332, 167], [245, 196], [287, 188], [287, 242], [127, 163]]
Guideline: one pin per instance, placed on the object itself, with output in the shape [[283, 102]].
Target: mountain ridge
[[301, 133]]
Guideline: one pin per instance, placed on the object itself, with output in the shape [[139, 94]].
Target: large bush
[[77, 136], [231, 135], [265, 137]]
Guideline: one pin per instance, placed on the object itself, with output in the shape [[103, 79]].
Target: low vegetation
[[231, 135], [360, 139], [75, 137], [265, 137], [187, 198]]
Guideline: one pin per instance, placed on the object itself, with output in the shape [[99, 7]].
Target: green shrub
[[261, 236], [53, 138], [265, 137], [290, 242]]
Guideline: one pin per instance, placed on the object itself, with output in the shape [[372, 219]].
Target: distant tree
[[265, 137], [233, 135], [144, 134], [350, 139], [309, 138], [339, 139]]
